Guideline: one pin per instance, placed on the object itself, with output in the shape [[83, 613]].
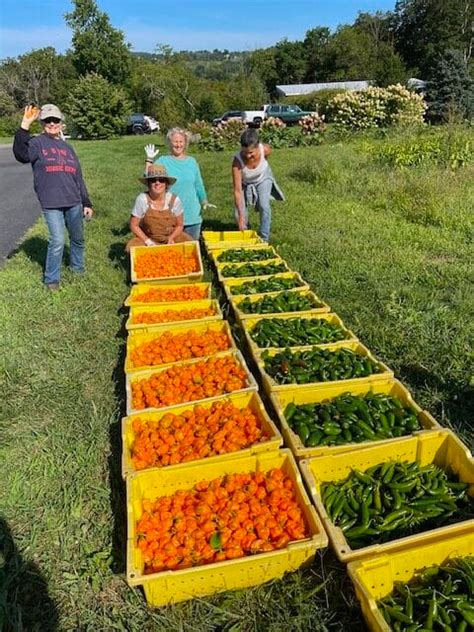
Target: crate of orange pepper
[[167, 313], [143, 294], [215, 526], [167, 264], [159, 346], [234, 425], [190, 381]]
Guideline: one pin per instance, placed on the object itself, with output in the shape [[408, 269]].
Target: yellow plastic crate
[[228, 284], [271, 386], [133, 299], [214, 254], [140, 375], [188, 248], [242, 316], [240, 400], [440, 447], [230, 238], [267, 263], [178, 306], [249, 323], [178, 585], [374, 578], [147, 334], [311, 395]]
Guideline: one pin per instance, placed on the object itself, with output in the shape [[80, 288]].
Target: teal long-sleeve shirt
[[189, 186]]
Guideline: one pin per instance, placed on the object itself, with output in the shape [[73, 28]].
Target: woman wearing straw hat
[[157, 216], [59, 186]]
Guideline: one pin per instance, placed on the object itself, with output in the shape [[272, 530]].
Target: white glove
[[151, 152], [207, 205], [150, 242]]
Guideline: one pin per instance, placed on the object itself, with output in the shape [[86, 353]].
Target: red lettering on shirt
[[70, 169], [54, 168]]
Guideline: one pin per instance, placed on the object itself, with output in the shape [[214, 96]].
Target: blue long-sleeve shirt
[[57, 174], [189, 186]]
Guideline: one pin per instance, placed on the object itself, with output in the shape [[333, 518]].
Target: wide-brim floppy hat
[[50, 110], [156, 171]]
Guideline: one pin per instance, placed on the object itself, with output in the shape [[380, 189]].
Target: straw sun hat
[[156, 171]]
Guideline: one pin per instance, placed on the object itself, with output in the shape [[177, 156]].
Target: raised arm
[[21, 142]]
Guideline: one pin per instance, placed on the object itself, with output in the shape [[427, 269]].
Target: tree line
[[100, 77]]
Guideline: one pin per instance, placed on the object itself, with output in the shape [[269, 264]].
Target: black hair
[[249, 138]]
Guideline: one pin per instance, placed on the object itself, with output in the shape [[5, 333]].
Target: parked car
[[289, 114], [227, 116], [141, 124]]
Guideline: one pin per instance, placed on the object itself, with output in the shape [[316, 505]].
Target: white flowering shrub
[[272, 122], [377, 107], [312, 124]]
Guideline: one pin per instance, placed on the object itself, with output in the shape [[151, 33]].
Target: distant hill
[[216, 65]]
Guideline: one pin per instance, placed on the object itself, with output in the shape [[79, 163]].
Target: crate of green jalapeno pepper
[[301, 303], [429, 585], [259, 252], [347, 363], [282, 282], [250, 269], [318, 421], [292, 330], [377, 499]]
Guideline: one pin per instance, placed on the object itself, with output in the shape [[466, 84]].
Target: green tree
[[262, 63], [425, 29], [316, 53], [290, 62], [36, 76], [97, 108], [350, 55], [451, 89], [97, 47], [246, 92]]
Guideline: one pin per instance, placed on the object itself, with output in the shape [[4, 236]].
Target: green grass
[[6, 140], [389, 250]]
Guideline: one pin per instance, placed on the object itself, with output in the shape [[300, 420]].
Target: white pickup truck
[[250, 117]]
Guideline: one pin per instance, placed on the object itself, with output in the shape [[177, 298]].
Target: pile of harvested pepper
[[438, 598]]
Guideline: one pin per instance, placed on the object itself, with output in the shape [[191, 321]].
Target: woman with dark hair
[[253, 182]]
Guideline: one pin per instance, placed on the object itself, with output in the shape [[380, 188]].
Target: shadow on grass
[[123, 231], [216, 224], [24, 600], [458, 401], [117, 486], [34, 248], [119, 257]]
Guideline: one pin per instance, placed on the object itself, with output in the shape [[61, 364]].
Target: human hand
[[151, 152], [170, 241], [206, 205], [30, 114], [88, 213], [242, 223], [150, 242]]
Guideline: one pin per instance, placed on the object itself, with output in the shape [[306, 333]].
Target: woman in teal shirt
[[189, 186]]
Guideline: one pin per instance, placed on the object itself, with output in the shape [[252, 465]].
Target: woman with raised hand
[[253, 182], [189, 186], [157, 216], [59, 186]]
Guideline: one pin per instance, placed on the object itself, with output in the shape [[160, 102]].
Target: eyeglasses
[[160, 180], [51, 119]]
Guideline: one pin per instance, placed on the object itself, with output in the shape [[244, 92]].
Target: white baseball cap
[[50, 110]]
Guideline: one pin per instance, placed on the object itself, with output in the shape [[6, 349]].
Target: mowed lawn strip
[[387, 249]]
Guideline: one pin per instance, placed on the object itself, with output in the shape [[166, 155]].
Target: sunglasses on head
[[160, 180], [51, 119]]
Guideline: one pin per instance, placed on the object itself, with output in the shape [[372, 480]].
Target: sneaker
[[52, 286]]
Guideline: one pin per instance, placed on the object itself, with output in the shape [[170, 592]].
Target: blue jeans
[[57, 220], [264, 190], [193, 230]]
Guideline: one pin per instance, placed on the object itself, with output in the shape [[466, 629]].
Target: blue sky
[[183, 24]]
